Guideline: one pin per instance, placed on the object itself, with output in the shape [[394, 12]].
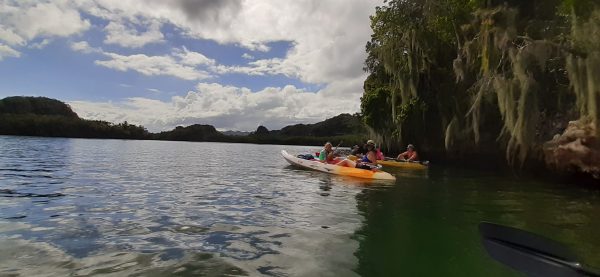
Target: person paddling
[[326, 155], [409, 155]]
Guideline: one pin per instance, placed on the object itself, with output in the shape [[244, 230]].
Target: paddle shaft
[[533, 252], [338, 146]]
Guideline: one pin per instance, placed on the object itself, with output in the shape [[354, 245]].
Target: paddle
[[341, 141], [335, 149], [530, 253]]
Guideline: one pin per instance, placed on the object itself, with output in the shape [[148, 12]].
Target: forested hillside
[[41, 116]]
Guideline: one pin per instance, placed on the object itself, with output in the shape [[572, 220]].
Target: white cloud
[[227, 107], [153, 90], [23, 21], [328, 37], [261, 67], [6, 51], [41, 44], [192, 58], [128, 36], [255, 46], [9, 37], [84, 47], [247, 56], [182, 63], [153, 66]]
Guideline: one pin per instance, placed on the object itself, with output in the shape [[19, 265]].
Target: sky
[[233, 64]]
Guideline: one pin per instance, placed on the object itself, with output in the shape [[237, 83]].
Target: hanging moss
[[490, 73], [511, 67], [583, 67]]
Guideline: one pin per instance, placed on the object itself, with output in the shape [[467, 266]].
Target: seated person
[[369, 159], [356, 150], [326, 155], [410, 154], [380, 155]]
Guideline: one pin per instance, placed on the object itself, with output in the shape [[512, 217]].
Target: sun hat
[[410, 146], [370, 142]]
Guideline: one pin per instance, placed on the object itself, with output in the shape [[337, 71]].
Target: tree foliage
[[452, 74]]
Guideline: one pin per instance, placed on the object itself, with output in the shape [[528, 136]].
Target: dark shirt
[[363, 150]]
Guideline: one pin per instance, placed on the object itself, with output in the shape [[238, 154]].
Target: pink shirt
[[380, 155]]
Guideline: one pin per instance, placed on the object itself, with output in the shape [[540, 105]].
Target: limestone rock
[[576, 150]]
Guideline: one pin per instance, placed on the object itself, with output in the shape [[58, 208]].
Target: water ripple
[[110, 199]]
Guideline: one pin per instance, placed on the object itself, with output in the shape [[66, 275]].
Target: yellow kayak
[[402, 164], [336, 169]]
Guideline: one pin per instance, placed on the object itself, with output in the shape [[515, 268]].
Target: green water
[[151, 208], [426, 224]]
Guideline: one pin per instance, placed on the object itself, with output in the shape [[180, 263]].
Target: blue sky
[[232, 64]]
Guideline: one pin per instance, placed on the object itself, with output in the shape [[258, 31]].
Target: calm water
[[149, 208]]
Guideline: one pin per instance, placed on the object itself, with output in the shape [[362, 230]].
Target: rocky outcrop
[[577, 150]]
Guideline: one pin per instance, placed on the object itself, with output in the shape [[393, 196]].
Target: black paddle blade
[[529, 253]]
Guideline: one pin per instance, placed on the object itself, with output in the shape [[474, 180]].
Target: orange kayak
[[336, 169]]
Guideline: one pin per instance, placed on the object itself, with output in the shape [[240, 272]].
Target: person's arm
[[413, 157], [372, 157], [401, 156], [330, 156]]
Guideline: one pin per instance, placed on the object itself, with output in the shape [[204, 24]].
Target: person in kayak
[[409, 155], [380, 155], [370, 158], [371, 155], [356, 150], [360, 150], [326, 155]]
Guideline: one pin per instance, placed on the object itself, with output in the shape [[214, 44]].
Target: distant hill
[[345, 128], [236, 133], [41, 116], [194, 132], [35, 105], [343, 124]]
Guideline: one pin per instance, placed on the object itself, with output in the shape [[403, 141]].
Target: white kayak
[[336, 169]]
